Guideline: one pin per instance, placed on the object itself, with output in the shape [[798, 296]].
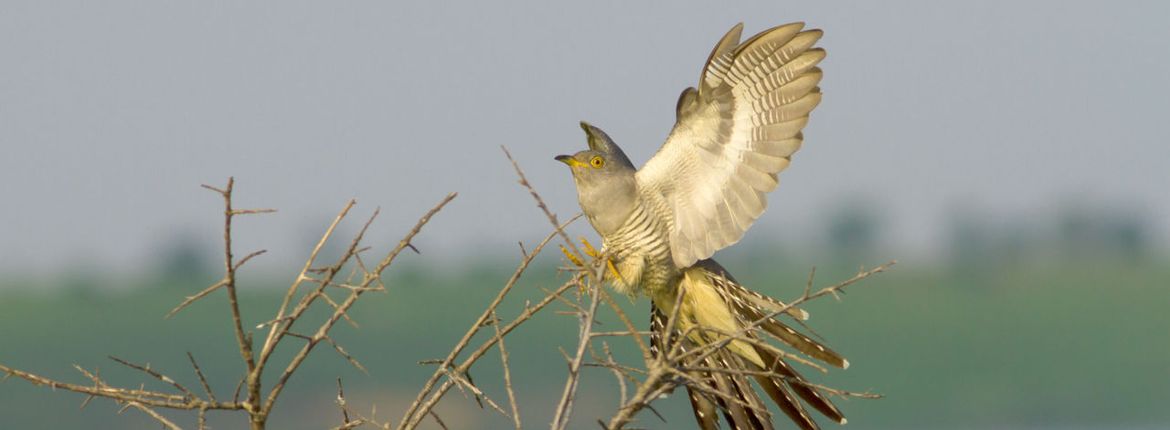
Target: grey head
[[606, 188]]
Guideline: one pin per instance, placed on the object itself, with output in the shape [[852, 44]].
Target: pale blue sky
[[112, 113]]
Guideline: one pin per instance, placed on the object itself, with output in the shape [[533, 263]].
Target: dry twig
[[257, 406], [671, 367]]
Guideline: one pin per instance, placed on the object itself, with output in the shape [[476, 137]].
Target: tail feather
[[738, 415], [706, 413], [737, 401], [760, 417], [749, 297], [810, 394], [786, 334], [788, 404]]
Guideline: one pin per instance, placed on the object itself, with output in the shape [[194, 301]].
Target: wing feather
[[783, 130], [733, 135]]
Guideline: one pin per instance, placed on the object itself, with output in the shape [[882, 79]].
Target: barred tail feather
[[705, 411], [745, 303], [786, 334], [737, 401], [810, 394]]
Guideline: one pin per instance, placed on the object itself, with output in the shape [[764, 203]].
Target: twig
[[370, 278], [229, 280], [157, 417], [507, 374], [147, 370], [632, 330], [148, 398], [437, 419], [257, 408], [552, 218], [412, 421], [565, 406], [341, 404], [192, 299], [280, 315], [479, 394], [617, 372], [416, 411]]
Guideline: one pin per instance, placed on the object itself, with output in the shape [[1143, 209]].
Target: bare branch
[[153, 414], [565, 406], [230, 276], [100, 389], [369, 279], [341, 404], [617, 372], [280, 316], [202, 379], [412, 420], [352, 361], [147, 370], [479, 394], [552, 218], [417, 410], [632, 330], [192, 299], [507, 374]]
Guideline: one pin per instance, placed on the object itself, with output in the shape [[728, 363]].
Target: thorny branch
[[565, 406], [255, 404], [639, 386], [429, 395]]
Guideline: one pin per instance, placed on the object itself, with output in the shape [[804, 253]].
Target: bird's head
[[601, 161], [606, 188]]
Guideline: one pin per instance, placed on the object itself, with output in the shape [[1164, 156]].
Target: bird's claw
[[613, 270], [592, 252], [589, 249], [572, 257]]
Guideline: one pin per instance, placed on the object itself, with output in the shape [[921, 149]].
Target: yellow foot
[[593, 252], [576, 262], [589, 249], [572, 258], [613, 270]]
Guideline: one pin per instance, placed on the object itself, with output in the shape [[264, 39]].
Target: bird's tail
[[713, 310]]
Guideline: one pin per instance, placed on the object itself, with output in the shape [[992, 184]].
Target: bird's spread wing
[[733, 135]]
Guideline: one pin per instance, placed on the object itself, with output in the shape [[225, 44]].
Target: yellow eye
[[597, 162]]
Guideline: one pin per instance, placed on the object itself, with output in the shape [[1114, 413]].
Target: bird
[[700, 192]]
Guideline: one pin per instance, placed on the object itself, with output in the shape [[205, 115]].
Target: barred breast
[[641, 252]]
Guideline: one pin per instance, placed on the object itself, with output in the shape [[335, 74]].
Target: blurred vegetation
[[1076, 345], [1054, 324]]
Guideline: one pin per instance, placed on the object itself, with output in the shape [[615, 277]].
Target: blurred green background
[[1006, 334]]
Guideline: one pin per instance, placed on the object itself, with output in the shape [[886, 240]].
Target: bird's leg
[[589, 249], [572, 257], [593, 252]]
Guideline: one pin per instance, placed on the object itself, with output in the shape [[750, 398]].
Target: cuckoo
[[702, 190]]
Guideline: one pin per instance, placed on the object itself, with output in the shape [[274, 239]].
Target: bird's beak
[[568, 159]]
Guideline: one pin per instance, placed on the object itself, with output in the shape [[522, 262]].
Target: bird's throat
[[609, 206]]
